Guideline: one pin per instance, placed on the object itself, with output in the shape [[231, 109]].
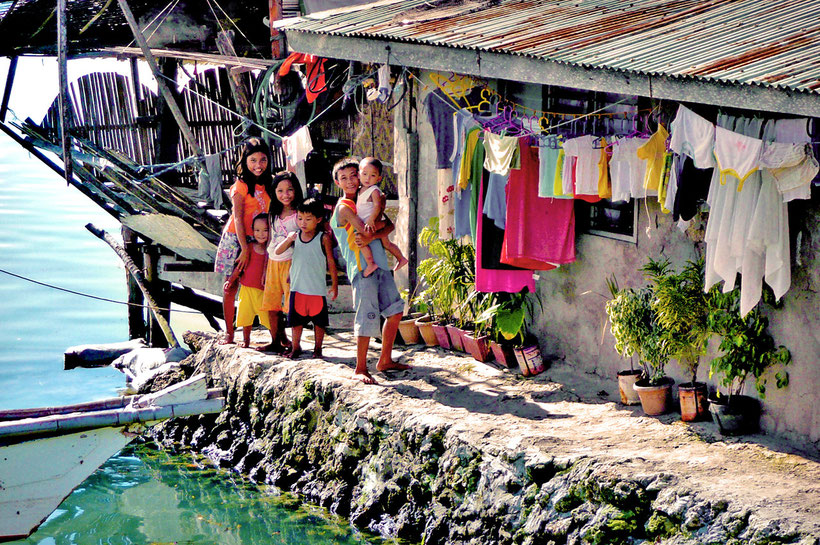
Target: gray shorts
[[377, 294]]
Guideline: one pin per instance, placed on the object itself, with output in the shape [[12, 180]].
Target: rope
[[174, 166], [160, 14], [58, 288], [240, 116], [235, 26]]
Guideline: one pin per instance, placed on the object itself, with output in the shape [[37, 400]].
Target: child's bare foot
[[370, 270], [392, 366], [226, 338], [245, 344], [276, 348], [317, 353], [294, 352], [364, 377], [402, 262]]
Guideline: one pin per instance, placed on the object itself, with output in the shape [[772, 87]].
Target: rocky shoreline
[[459, 452]]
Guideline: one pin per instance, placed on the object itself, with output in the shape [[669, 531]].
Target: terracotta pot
[[504, 354], [739, 417], [529, 358], [692, 401], [456, 342], [409, 330], [478, 347], [626, 381], [655, 400], [442, 337], [425, 324]]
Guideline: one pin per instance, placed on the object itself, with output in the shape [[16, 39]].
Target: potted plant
[[682, 308], [626, 314], [636, 330], [511, 343], [477, 341], [449, 277], [747, 350], [408, 328]]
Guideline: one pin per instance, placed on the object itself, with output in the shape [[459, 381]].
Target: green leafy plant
[[448, 274], [748, 349], [682, 309], [634, 326]]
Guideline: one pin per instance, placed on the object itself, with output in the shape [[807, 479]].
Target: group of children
[[276, 250]]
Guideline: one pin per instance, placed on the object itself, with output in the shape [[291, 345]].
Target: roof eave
[[505, 65]]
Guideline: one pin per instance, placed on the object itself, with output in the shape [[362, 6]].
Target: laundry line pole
[[62, 100], [161, 85]]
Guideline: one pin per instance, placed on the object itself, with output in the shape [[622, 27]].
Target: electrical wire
[[58, 288]]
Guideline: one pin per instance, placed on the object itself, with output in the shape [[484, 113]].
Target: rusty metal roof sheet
[[773, 43]]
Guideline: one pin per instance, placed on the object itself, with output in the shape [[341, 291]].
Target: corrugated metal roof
[[773, 43]]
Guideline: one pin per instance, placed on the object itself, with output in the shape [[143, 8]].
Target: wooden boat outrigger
[[46, 453]]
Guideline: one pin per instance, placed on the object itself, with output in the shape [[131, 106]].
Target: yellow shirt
[[604, 186], [467, 157], [654, 153]]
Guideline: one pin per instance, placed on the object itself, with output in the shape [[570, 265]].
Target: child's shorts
[[226, 254], [277, 286], [250, 306], [307, 308]]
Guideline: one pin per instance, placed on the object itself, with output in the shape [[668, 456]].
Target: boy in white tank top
[[370, 208]]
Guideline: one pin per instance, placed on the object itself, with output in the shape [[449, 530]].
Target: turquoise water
[[140, 496]]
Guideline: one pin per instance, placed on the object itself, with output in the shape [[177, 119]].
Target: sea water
[[141, 495]]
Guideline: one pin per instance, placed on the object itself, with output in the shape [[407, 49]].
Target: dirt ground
[[565, 414]]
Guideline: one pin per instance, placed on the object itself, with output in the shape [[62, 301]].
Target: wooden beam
[[63, 102], [163, 87], [137, 274], [277, 39], [7, 91]]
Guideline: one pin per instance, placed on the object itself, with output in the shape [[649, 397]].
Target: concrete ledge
[[455, 451]]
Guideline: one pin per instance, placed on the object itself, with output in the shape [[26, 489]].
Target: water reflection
[[145, 496]]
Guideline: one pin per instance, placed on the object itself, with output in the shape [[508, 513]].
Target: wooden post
[[166, 150], [4, 107], [161, 85], [136, 314], [239, 86], [277, 44], [137, 274], [160, 294], [62, 50]]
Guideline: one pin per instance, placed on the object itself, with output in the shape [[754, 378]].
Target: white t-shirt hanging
[[586, 164], [499, 152], [627, 170], [298, 145], [694, 136]]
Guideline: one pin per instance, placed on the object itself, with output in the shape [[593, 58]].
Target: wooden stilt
[[167, 132], [239, 86], [136, 314], [63, 100], [159, 290], [4, 107], [164, 90], [138, 277]]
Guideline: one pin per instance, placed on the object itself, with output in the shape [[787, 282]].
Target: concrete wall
[[571, 323]]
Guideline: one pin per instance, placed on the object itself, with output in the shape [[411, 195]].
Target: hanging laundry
[[315, 68], [791, 166], [736, 155], [383, 89], [499, 152], [548, 157], [604, 185], [297, 146], [558, 186], [209, 188], [440, 110], [627, 170], [488, 243], [586, 157], [664, 182], [692, 187], [654, 154], [694, 136], [446, 203], [540, 231], [475, 179], [794, 131], [495, 200], [462, 121]]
